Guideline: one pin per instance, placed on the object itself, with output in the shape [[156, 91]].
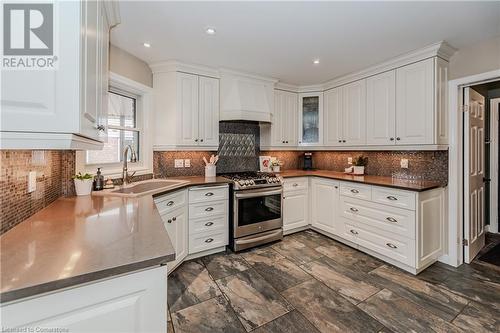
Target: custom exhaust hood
[[246, 97]]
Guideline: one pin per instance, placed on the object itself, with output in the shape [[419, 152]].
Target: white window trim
[[144, 106]]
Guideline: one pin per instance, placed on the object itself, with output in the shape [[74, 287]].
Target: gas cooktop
[[253, 179]]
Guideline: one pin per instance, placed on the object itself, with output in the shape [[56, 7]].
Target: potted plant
[[359, 165], [276, 165], [83, 183]]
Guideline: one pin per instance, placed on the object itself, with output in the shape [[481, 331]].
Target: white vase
[[83, 187], [358, 170], [276, 168]]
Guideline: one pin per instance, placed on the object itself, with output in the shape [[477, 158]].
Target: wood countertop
[[77, 240]]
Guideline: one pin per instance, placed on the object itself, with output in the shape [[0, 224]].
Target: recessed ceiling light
[[210, 31], [316, 61], [146, 45]]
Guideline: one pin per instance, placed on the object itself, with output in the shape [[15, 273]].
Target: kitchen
[[219, 194]]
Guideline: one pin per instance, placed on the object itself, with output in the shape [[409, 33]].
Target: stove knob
[[247, 182], [252, 182], [241, 182]]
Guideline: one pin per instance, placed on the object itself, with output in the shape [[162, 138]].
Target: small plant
[[276, 162], [79, 176], [360, 161]]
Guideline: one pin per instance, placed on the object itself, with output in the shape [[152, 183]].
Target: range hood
[[246, 97]]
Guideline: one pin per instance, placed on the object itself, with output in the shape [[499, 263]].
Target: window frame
[[143, 95]]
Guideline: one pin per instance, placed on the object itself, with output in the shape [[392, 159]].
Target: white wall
[[475, 59], [123, 63]]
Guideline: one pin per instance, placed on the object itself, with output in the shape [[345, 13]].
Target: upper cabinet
[[186, 111], [282, 131], [381, 109], [310, 119], [64, 107]]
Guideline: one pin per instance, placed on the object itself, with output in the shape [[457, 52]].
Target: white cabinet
[[381, 109], [310, 119], [295, 203], [333, 117], [134, 302], [282, 131], [324, 205], [186, 111], [64, 108]]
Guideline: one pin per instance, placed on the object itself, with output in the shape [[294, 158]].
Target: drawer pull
[[209, 240], [169, 221], [392, 219], [392, 246], [354, 191], [295, 185], [209, 194], [170, 203], [174, 218], [392, 198], [208, 224], [354, 209], [354, 232], [209, 209]]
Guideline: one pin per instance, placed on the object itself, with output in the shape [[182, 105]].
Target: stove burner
[[246, 180]]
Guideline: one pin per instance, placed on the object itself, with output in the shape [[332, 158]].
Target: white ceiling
[[281, 39]]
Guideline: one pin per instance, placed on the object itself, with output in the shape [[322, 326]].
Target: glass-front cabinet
[[310, 118]]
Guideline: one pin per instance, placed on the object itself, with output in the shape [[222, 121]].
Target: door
[[333, 117], [381, 109], [415, 103], [474, 170], [325, 197], [289, 118], [187, 107], [354, 113], [177, 229], [278, 121], [208, 111], [295, 210], [310, 117]]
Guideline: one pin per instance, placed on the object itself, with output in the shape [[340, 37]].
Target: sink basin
[[145, 187]]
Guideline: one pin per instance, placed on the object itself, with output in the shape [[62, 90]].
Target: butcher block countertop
[[77, 240], [402, 184]]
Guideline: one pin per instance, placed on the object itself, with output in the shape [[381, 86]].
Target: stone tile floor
[[310, 283]]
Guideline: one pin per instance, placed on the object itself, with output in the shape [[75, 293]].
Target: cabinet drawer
[[391, 219], [207, 224], [207, 240], [356, 191], [204, 194], [396, 198], [170, 201], [397, 248], [209, 209], [295, 184]]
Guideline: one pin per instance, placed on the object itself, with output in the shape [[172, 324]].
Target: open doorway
[[480, 172]]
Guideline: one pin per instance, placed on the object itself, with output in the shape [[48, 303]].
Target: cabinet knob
[[343, 141], [398, 138], [169, 221], [286, 141], [392, 219], [209, 194], [170, 203], [340, 141], [392, 139], [295, 185], [354, 232], [208, 224], [209, 240], [201, 140], [209, 209], [336, 186], [392, 246], [354, 209], [101, 128], [195, 140], [174, 218], [354, 191], [282, 141], [390, 197]]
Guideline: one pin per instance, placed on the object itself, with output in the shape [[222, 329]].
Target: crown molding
[[225, 71], [112, 8], [177, 66]]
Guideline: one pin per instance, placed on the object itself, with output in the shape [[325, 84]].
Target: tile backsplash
[[53, 180]]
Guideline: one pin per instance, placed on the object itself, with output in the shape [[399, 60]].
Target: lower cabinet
[[295, 204], [128, 303], [324, 202]]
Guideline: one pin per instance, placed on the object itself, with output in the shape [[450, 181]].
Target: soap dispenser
[[98, 180]]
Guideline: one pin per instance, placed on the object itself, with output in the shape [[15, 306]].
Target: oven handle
[[256, 193], [256, 239]]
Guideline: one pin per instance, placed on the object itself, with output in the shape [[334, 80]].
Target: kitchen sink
[[145, 187]]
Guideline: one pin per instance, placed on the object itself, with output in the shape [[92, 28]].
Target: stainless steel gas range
[[257, 209]]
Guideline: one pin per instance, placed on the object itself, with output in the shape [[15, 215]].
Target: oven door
[[257, 211]]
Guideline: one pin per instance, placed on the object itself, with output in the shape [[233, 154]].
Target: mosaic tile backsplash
[[53, 180]]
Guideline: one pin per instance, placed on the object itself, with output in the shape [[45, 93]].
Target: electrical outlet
[[179, 163], [404, 163], [31, 181], [187, 163], [349, 160]]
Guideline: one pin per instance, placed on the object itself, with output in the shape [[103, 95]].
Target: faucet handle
[[132, 174]]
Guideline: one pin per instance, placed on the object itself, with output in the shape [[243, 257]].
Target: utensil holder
[[210, 170]]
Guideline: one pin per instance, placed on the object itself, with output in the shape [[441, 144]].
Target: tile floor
[[310, 283]]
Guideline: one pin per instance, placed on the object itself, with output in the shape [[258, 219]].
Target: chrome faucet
[[126, 177]]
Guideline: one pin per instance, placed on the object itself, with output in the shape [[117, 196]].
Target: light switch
[[187, 163], [349, 160], [404, 163], [31, 181], [179, 163]]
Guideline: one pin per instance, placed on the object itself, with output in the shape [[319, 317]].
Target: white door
[[474, 171], [354, 113], [295, 210], [208, 111], [187, 104], [381, 109], [415, 103], [333, 117], [310, 119], [177, 229], [278, 123], [324, 200], [289, 117]]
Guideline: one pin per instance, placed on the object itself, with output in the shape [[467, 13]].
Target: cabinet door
[[208, 111], [177, 228], [103, 77], [187, 109], [278, 125], [381, 109], [415, 103], [333, 117], [311, 118], [289, 118], [295, 210], [354, 113], [324, 200]]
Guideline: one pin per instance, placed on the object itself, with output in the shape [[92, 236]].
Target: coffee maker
[[307, 161]]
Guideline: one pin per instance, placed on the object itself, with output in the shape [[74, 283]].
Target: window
[[123, 130]]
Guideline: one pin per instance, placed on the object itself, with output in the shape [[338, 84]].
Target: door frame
[[454, 255], [494, 162]]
